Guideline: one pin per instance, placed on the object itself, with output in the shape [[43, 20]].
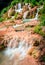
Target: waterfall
[[19, 8], [38, 9], [17, 50], [19, 5], [35, 18]]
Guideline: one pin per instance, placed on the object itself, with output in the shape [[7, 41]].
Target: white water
[[19, 5], [18, 51], [21, 48], [19, 8], [36, 16], [15, 26]]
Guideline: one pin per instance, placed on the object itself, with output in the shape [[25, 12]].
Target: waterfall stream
[[16, 51], [36, 17], [20, 49]]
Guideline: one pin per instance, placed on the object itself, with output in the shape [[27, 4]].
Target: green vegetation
[[42, 17], [38, 30], [42, 58], [33, 3], [43, 10], [1, 19], [15, 16], [42, 22]]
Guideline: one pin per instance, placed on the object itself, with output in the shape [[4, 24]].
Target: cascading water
[[36, 17], [19, 8], [17, 50], [19, 5]]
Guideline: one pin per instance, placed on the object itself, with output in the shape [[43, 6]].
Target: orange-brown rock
[[2, 25], [32, 11], [18, 21], [28, 61]]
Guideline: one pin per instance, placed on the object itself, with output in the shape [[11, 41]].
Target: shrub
[[15, 16], [43, 11], [38, 30], [3, 11], [42, 58], [1, 19], [42, 19]]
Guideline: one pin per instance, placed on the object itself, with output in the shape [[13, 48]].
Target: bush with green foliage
[[15, 16], [38, 30], [42, 58], [43, 10], [1, 19], [42, 19]]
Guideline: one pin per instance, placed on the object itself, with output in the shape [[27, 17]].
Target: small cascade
[[19, 5], [38, 9], [15, 26], [36, 16], [17, 50], [19, 8]]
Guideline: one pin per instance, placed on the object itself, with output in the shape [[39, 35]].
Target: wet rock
[[28, 61], [32, 23]]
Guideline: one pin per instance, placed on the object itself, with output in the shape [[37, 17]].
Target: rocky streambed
[[22, 46]]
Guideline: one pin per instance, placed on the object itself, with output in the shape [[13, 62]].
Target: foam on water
[[20, 50]]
